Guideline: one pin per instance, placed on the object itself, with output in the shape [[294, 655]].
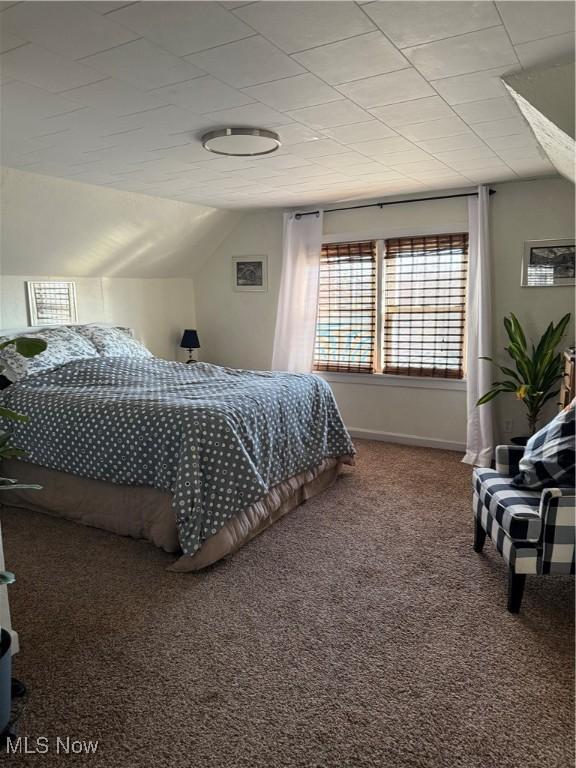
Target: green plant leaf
[[26, 346], [8, 413]]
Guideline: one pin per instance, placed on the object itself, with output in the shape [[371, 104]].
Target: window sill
[[387, 380]]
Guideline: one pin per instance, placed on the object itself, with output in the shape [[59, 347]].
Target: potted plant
[[537, 369], [27, 347]]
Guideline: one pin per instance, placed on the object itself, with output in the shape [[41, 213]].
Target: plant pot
[[5, 679], [522, 440]]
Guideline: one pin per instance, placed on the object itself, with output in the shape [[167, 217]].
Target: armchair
[[532, 530]]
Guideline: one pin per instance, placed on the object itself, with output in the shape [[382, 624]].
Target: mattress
[[146, 513]]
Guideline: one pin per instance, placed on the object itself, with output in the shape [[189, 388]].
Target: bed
[[197, 459]]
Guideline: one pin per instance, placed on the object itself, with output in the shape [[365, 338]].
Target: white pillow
[[64, 346], [112, 342]]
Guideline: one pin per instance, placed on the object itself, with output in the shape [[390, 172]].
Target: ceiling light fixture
[[241, 142]]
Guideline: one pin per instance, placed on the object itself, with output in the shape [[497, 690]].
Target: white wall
[[132, 256], [60, 226], [542, 209], [238, 328], [157, 309]]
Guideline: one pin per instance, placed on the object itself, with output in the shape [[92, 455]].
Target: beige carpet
[[362, 630]]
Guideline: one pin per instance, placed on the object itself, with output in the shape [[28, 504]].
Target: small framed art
[[548, 263], [250, 273]]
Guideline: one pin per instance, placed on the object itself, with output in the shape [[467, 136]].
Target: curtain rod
[[390, 202]]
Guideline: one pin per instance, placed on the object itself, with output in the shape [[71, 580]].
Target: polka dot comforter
[[217, 438]]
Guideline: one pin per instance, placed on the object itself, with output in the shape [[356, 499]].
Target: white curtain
[[298, 300], [480, 433]]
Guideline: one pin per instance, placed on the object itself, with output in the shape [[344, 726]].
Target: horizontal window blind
[[424, 310], [346, 321]]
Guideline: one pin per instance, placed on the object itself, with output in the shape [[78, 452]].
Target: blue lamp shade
[[190, 339]]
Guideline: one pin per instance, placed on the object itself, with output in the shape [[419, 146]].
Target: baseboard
[[395, 437]]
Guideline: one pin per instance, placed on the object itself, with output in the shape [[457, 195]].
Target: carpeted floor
[[361, 630]]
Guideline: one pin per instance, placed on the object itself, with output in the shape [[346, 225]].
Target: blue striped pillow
[[549, 459]]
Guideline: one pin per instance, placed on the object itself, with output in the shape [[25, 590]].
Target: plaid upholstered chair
[[532, 530]]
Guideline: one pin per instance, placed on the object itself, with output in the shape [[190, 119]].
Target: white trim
[[377, 234], [394, 437], [388, 380]]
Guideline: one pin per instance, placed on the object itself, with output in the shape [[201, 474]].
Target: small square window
[[52, 303]]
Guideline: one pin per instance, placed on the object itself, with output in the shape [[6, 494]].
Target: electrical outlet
[[508, 427]]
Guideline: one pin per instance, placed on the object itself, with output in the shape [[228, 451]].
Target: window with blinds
[[424, 305], [346, 322], [52, 302], [414, 325]]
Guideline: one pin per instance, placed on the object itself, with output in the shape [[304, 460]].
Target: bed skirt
[[146, 513]]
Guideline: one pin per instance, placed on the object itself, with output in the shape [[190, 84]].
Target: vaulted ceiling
[[368, 98]]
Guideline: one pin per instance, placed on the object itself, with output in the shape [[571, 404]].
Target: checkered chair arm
[[558, 513], [508, 459]]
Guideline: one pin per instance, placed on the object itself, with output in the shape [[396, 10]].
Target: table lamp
[[190, 341]]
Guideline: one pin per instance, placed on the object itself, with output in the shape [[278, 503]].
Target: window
[[414, 325], [346, 322], [52, 303]]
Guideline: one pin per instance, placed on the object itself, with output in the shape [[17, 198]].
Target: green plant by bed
[[538, 368], [27, 347]]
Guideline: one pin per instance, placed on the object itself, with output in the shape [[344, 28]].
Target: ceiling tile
[[413, 111], [470, 153], [113, 97], [387, 89], [9, 40], [66, 28], [143, 65], [489, 109], [45, 69], [343, 160], [548, 49], [506, 127], [353, 59], [491, 176], [202, 95], [247, 62], [522, 153], [284, 162], [433, 129], [368, 131], [428, 164], [318, 148], [473, 87], [526, 139], [422, 22], [479, 163], [383, 146], [336, 113], [104, 6], [527, 167], [467, 140], [183, 27], [308, 25], [294, 92], [22, 102], [527, 21], [250, 115], [463, 54], [296, 134]]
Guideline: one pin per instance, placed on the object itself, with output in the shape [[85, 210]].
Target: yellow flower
[[522, 391]]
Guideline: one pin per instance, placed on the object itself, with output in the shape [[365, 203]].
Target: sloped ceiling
[[546, 99], [369, 98], [64, 228]]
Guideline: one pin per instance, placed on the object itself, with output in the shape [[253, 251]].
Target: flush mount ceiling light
[[241, 142]]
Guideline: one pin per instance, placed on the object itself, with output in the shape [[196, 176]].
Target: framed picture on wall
[[250, 273], [548, 263]]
